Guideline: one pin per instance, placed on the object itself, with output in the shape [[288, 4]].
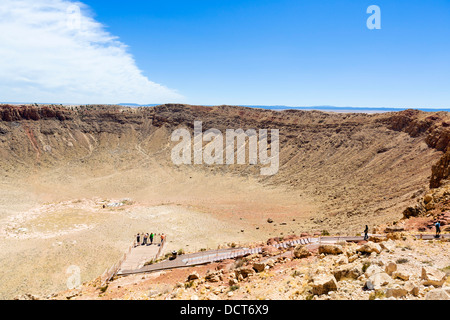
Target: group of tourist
[[146, 239]]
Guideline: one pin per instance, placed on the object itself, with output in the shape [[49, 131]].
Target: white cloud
[[47, 56]]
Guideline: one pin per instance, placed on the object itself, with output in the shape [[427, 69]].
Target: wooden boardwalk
[[139, 256], [135, 265], [211, 256]]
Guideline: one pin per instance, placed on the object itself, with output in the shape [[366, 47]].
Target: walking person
[[151, 238], [438, 229], [366, 233]]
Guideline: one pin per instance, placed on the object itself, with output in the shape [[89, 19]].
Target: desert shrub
[[365, 266], [234, 287], [446, 270], [428, 263], [401, 261], [149, 263], [377, 295], [296, 273]]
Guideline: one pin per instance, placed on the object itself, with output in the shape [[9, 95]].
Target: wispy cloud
[[50, 53]]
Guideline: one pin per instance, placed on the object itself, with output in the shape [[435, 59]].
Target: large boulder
[[412, 288], [378, 280], [348, 271], [323, 283], [389, 245], [373, 269], [390, 268], [330, 249], [396, 291], [301, 252], [402, 275], [259, 266], [433, 277], [369, 247]]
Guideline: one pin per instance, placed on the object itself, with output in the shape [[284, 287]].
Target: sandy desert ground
[[41, 239]]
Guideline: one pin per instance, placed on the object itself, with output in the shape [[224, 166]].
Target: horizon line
[[257, 106]]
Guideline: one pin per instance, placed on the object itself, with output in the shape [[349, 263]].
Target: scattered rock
[[301, 252], [212, 276], [244, 272], [437, 294], [269, 251], [330, 249], [342, 260], [389, 245], [233, 282], [401, 274], [391, 267], [378, 280], [259, 266], [27, 296], [193, 276], [348, 271], [412, 288], [369, 247], [396, 291], [324, 283], [373, 269], [395, 228], [433, 277]]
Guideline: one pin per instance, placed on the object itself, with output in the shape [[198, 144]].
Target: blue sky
[[288, 52]]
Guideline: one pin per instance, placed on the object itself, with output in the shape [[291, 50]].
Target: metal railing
[[219, 255], [114, 269]]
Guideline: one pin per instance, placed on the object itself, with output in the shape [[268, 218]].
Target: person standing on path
[[151, 238], [145, 239], [138, 239], [438, 229], [366, 233]]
